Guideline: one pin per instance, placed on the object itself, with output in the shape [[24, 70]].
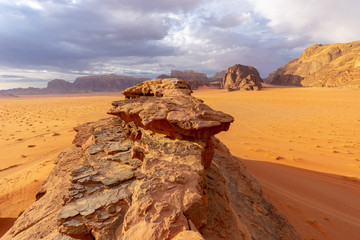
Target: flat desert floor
[[302, 144]]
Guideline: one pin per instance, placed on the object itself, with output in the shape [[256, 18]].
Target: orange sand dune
[[304, 148], [302, 144]]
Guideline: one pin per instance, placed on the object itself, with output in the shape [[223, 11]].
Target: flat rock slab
[[181, 117], [115, 147]]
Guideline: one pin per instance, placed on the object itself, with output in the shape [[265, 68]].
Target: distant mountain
[[87, 84], [7, 96], [329, 65], [217, 77], [195, 79]]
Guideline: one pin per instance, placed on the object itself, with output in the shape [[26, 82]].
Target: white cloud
[[327, 21]]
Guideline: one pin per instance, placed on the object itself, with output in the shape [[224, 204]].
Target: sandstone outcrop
[[241, 77], [127, 177], [329, 65]]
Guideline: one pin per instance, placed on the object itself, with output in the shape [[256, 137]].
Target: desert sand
[[303, 147], [33, 131], [300, 143]]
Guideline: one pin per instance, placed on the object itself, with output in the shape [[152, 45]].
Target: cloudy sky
[[42, 40]]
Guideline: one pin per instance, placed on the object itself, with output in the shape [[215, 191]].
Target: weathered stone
[[70, 210], [96, 148], [112, 148], [158, 88], [240, 77], [175, 114], [63, 237], [115, 178], [158, 187]]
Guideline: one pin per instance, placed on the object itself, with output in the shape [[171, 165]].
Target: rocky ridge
[[145, 176], [329, 65], [241, 77], [86, 84]]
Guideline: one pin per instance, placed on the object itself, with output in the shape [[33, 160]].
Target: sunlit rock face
[[241, 77], [329, 65]]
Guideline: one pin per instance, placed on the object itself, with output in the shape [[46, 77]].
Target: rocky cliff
[[153, 171], [241, 77], [86, 84], [333, 65]]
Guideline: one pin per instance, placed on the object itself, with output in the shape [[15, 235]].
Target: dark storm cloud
[[156, 5], [49, 39], [11, 76], [67, 35]]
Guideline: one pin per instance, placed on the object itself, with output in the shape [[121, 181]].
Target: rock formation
[[241, 77], [59, 86], [155, 171], [195, 79], [330, 65], [86, 84], [217, 77]]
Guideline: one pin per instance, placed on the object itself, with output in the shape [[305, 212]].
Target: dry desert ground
[[302, 144]]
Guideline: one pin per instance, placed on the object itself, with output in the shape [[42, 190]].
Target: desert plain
[[301, 144]]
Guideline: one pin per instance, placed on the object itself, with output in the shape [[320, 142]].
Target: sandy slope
[[302, 144]]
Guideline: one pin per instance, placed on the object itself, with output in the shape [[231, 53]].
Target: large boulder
[[125, 178], [329, 65], [241, 77]]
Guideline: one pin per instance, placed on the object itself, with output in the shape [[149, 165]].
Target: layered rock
[[241, 77], [172, 113], [329, 65], [129, 178]]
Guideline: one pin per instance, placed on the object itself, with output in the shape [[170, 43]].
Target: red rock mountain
[[241, 77], [329, 65], [153, 171]]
